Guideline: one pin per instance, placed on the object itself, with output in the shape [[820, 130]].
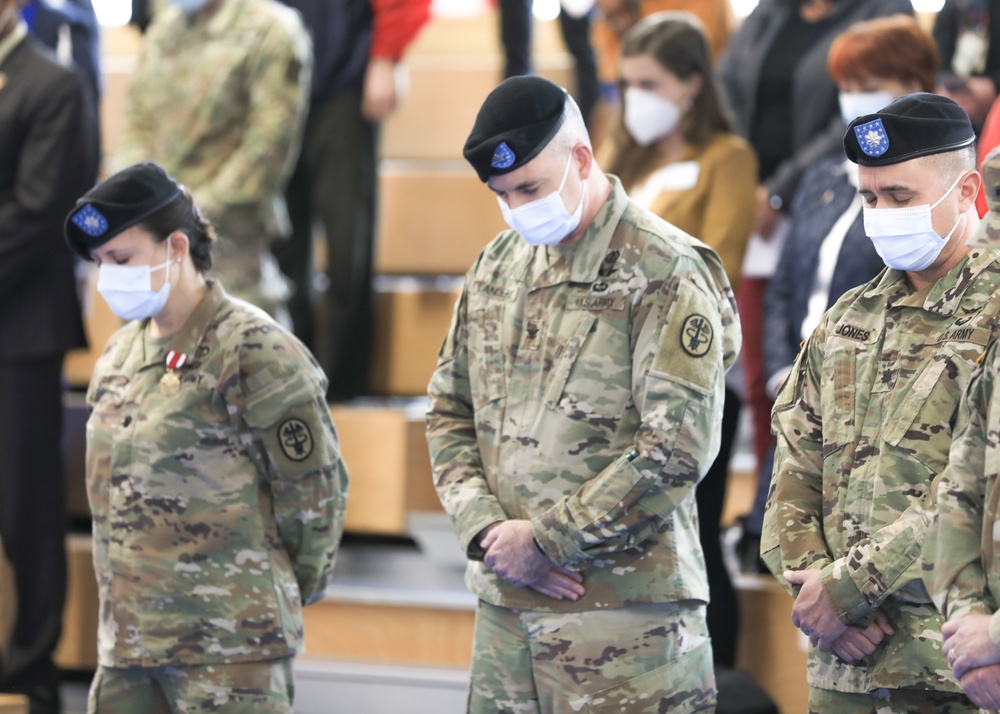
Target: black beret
[[914, 125], [117, 203], [519, 117]]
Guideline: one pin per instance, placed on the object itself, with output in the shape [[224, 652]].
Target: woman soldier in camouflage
[[213, 469]]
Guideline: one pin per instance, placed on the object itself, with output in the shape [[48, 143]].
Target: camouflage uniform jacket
[[218, 510], [220, 105], [864, 423], [961, 557], [580, 387]]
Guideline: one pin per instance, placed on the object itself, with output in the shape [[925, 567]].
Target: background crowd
[[269, 113]]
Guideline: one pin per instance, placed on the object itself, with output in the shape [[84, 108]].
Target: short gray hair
[[573, 130]]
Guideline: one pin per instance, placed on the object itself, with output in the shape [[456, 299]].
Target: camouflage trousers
[[889, 701], [265, 687], [646, 658]]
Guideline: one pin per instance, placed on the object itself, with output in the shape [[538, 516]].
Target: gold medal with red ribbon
[[170, 382]]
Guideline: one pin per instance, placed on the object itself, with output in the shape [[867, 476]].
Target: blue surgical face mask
[[545, 221], [190, 7], [905, 237], [128, 289]]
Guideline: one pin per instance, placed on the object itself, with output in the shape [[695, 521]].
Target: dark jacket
[[949, 24], [342, 36], [85, 38], [84, 32], [43, 135], [824, 194], [816, 129]]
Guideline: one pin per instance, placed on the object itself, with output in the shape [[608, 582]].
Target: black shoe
[[748, 554]]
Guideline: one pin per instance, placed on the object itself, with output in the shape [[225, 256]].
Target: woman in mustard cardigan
[[675, 151]]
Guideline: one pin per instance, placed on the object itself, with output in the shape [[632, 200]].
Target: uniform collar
[[183, 27], [12, 40], [185, 340], [589, 251], [944, 296]]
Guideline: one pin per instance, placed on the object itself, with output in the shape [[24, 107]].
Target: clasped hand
[[813, 613], [512, 554]]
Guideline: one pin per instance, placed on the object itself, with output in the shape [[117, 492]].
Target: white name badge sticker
[[678, 177]]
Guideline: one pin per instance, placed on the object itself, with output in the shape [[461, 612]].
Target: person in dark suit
[[46, 22], [43, 151]]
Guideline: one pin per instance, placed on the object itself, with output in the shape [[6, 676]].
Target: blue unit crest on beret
[[89, 220], [503, 157], [872, 138]]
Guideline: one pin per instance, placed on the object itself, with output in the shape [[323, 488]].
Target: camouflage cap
[[914, 125], [517, 120], [988, 233], [117, 203]]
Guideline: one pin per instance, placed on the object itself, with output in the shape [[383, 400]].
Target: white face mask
[[858, 104], [905, 237], [648, 116], [190, 7], [128, 289], [545, 221]]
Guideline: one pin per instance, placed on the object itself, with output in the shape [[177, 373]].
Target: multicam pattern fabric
[[218, 508], [220, 104], [961, 553], [257, 687], [864, 424], [580, 387], [620, 660]]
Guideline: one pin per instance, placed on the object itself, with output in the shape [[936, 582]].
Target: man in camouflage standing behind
[[960, 553], [576, 404], [864, 421], [219, 99]]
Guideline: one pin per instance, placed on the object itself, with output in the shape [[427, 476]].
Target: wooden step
[[386, 453], [13, 704], [411, 320], [77, 648], [391, 604], [434, 218], [771, 649], [445, 94]]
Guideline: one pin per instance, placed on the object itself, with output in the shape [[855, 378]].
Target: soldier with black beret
[[213, 468], [576, 404], [961, 568], [864, 421]]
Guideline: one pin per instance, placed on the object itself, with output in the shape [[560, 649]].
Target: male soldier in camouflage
[[864, 420], [213, 469], [575, 406], [960, 553], [219, 99]]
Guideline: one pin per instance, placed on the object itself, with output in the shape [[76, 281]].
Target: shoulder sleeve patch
[[295, 439], [690, 346], [696, 335]]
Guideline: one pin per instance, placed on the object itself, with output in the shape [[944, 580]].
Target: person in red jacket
[[357, 47]]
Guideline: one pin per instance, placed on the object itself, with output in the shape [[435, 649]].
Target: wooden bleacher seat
[[435, 218], [411, 319], [13, 704], [384, 447]]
